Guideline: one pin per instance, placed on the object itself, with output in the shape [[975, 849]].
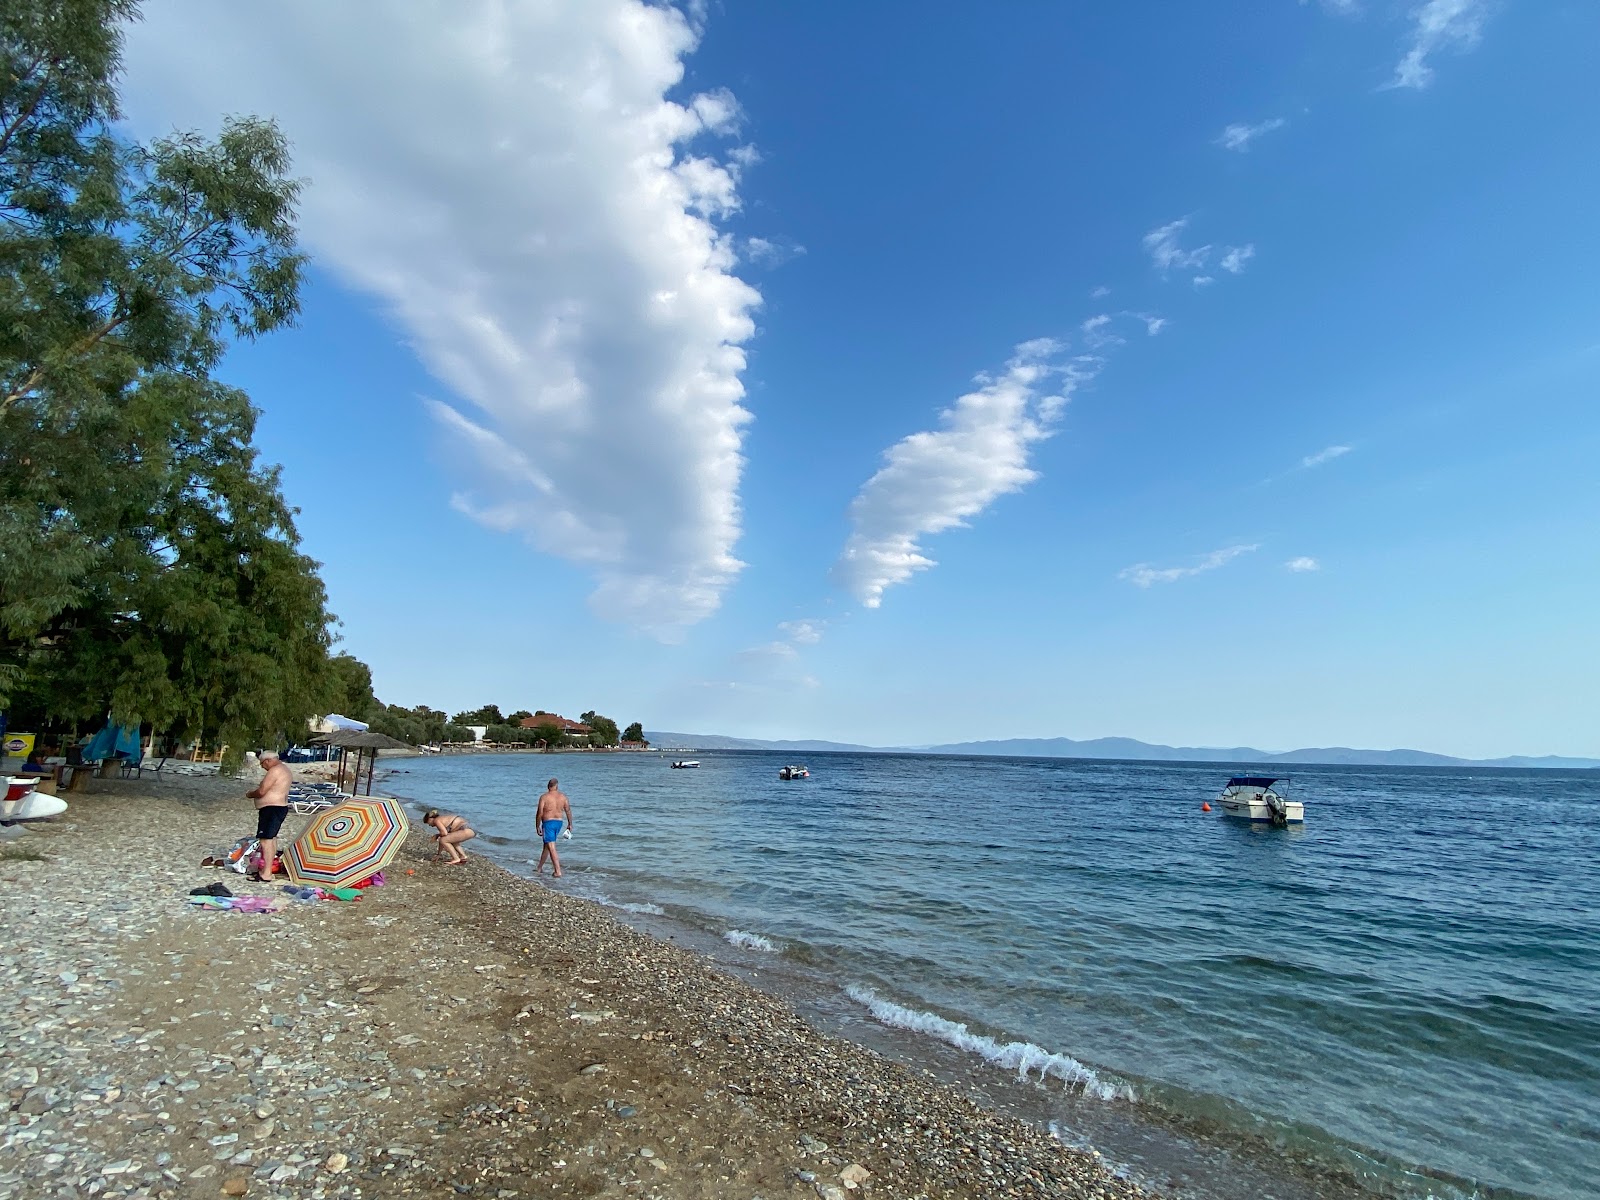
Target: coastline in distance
[[1135, 750]]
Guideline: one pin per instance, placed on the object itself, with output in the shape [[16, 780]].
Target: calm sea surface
[[1403, 997]]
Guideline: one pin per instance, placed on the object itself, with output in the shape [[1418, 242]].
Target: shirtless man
[[272, 805], [553, 815], [450, 830]]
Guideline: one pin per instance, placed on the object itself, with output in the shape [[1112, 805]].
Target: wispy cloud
[[1324, 456], [1437, 25], [1152, 323], [551, 243], [1099, 292], [1234, 260], [1162, 246], [1204, 281], [1239, 135], [1339, 8], [765, 252], [1304, 563], [1144, 575], [807, 632], [936, 480]]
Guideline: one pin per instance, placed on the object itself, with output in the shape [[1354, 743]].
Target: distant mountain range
[[1129, 748]]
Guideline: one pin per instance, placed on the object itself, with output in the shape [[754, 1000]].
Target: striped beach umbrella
[[348, 842]]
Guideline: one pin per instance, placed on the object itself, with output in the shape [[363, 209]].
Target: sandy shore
[[460, 1032]]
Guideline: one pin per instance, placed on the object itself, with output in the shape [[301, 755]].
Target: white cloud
[[1323, 456], [765, 252], [1143, 574], [807, 632], [1239, 135], [1163, 248], [1303, 563], [1152, 323], [1234, 260], [1340, 8], [1438, 24], [937, 480], [1201, 281], [1100, 291], [513, 186], [1095, 333]]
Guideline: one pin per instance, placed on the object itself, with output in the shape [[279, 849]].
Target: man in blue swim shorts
[[553, 815]]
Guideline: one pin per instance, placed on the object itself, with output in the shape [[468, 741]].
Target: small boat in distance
[[683, 763], [1255, 798], [793, 773]]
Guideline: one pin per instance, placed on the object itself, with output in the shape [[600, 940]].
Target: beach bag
[[242, 855]]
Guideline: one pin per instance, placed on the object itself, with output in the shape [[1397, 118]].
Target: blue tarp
[[1260, 781], [114, 741]]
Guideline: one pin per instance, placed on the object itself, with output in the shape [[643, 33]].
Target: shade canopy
[[1260, 781], [348, 842], [360, 739]]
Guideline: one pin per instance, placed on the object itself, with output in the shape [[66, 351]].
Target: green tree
[[517, 716], [633, 733], [350, 693], [605, 729], [550, 734], [150, 566], [489, 714]]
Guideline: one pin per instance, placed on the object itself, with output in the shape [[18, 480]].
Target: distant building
[[576, 731], [478, 731], [626, 745]]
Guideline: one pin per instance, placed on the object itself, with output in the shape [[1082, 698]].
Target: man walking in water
[[272, 805], [552, 817]]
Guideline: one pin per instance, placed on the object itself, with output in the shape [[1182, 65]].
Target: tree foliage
[[489, 714], [633, 733], [605, 729], [551, 735], [149, 566]]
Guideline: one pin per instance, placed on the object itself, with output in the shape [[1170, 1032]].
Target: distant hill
[[1131, 748], [716, 741]]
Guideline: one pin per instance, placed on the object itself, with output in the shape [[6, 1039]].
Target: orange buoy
[[1206, 807]]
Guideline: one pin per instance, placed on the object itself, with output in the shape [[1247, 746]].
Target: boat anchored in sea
[[685, 763], [793, 773], [1257, 798]]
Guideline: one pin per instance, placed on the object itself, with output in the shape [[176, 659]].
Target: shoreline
[[537, 1041]]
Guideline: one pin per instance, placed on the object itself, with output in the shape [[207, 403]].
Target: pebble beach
[[459, 1031]]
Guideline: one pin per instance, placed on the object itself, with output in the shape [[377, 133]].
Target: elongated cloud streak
[[1143, 574], [1324, 456], [513, 185], [1439, 23], [1239, 135], [936, 480]]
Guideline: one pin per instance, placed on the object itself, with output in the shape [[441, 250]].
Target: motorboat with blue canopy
[[1260, 798]]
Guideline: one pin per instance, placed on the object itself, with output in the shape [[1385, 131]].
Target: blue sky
[[742, 369]]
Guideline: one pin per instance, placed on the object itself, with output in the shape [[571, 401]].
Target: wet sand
[[459, 1032]]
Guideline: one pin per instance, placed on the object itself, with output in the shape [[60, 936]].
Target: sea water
[[1400, 998]]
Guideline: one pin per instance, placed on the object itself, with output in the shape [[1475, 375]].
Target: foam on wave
[[749, 941], [650, 910], [1021, 1057]]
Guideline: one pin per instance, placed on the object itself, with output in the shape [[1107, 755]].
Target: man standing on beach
[[272, 805], [553, 816]]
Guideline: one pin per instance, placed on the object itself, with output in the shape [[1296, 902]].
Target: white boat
[[684, 763], [793, 773], [23, 803], [1255, 798]]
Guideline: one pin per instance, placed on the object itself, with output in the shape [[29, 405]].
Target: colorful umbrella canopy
[[348, 842]]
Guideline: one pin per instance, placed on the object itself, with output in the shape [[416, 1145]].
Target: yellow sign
[[19, 745]]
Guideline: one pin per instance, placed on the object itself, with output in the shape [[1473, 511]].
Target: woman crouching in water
[[450, 832]]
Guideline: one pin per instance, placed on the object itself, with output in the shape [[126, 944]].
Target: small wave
[[651, 910], [1021, 1057], [749, 941]]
